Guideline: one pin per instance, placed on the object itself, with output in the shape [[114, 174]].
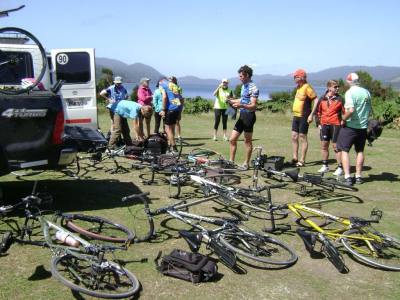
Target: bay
[[206, 91]]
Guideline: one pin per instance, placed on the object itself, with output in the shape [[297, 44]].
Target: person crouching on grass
[[329, 109], [124, 110], [247, 105]]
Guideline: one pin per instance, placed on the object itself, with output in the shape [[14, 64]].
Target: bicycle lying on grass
[[76, 263], [226, 240], [357, 235]]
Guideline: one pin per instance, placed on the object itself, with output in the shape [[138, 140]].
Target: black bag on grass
[[189, 266], [156, 143], [374, 130]]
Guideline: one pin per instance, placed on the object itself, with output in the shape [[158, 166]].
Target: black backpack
[[189, 266], [156, 143], [374, 130]]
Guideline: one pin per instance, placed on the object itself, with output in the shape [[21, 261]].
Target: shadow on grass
[[384, 176], [76, 195], [40, 274]]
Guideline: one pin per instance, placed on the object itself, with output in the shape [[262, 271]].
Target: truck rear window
[[14, 66], [73, 67]]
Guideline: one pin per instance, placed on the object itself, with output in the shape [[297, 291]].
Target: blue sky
[[211, 39]]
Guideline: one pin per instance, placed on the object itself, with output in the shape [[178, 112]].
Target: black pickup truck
[[33, 133]]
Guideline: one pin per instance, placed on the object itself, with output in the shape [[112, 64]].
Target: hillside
[[133, 73]]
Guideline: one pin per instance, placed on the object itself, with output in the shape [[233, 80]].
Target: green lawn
[[24, 271]]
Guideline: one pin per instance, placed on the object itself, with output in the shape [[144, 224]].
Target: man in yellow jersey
[[302, 104]]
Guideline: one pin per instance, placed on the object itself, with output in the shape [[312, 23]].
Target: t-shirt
[[116, 94], [330, 110], [157, 100], [143, 95], [248, 91], [220, 98], [360, 99], [303, 100], [174, 96], [128, 109]]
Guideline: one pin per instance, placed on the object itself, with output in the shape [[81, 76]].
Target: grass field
[[25, 270]]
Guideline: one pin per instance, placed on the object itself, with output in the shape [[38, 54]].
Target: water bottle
[[65, 238]]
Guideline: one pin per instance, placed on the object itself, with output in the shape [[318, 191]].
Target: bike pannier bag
[[189, 266]]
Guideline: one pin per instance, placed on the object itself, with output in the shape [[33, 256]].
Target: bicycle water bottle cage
[[376, 214], [193, 239], [312, 178]]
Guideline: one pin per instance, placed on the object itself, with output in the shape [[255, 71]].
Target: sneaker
[[324, 169], [359, 180], [244, 167], [348, 181], [225, 138], [338, 172], [215, 138]]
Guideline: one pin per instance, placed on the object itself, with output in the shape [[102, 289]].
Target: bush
[[197, 105], [280, 102]]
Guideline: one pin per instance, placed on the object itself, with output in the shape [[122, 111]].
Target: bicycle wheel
[[259, 248], [12, 63], [224, 179], [98, 279], [97, 228], [374, 248], [332, 183]]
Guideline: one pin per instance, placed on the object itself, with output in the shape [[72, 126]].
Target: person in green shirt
[[222, 93], [355, 121]]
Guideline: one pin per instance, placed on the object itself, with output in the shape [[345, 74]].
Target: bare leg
[[248, 143], [295, 144], [325, 150], [304, 146], [338, 154], [359, 163], [233, 144], [148, 120], [178, 128], [170, 130], [346, 164]]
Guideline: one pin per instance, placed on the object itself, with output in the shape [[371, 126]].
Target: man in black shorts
[[247, 105], [172, 105], [358, 107]]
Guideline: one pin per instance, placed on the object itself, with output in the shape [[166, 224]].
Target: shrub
[[279, 102], [197, 105]]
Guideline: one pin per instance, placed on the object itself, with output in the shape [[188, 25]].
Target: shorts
[[246, 122], [329, 133], [171, 117], [179, 116], [351, 136], [300, 125]]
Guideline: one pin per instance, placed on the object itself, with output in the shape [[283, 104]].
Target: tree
[[134, 93], [237, 91], [106, 79]]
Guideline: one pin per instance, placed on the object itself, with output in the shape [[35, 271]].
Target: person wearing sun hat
[[113, 94], [357, 107], [222, 93], [302, 104]]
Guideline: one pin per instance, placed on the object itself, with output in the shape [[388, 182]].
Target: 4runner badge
[[24, 113]]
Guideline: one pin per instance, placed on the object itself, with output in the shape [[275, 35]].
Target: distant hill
[[130, 73], [133, 73]]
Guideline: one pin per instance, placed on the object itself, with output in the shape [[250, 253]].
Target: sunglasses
[[336, 87]]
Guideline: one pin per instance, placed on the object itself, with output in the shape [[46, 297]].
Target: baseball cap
[[299, 73], [225, 80], [117, 79], [352, 78], [143, 79]]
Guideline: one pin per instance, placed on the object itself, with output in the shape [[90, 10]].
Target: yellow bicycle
[[357, 235]]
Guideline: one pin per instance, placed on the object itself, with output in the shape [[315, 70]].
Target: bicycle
[[357, 235], [76, 263], [227, 240], [256, 204], [9, 60]]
